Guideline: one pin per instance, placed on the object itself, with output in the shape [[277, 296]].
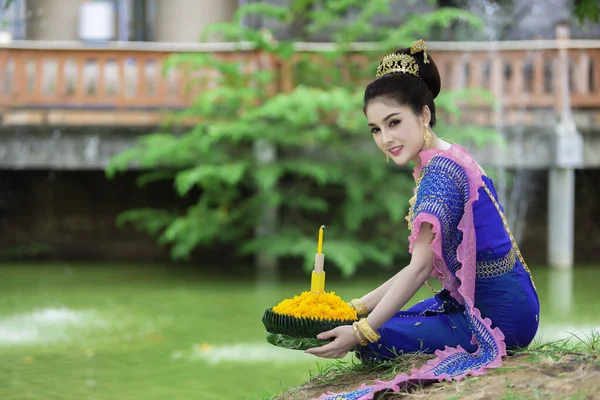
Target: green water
[[133, 332]]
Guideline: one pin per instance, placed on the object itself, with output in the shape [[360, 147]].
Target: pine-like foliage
[[305, 152]]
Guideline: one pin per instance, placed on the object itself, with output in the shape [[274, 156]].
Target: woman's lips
[[396, 150]]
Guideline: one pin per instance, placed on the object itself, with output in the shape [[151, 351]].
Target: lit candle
[[320, 245]]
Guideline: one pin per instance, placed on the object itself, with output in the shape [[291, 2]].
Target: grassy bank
[[564, 369]]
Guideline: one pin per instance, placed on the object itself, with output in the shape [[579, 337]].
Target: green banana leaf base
[[297, 333], [294, 343]]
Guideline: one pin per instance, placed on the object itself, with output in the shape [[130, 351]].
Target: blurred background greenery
[[148, 277]]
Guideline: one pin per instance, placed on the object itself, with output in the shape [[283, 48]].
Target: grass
[[582, 347], [575, 350]]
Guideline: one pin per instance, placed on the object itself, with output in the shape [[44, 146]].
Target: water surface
[[126, 332]]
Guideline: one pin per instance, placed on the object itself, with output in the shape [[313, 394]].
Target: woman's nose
[[387, 138]]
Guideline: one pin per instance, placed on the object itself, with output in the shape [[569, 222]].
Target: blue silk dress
[[489, 302], [503, 292]]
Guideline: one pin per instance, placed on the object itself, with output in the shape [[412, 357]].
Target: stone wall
[[70, 215]]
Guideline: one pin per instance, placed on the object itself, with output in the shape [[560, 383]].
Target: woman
[[458, 234]]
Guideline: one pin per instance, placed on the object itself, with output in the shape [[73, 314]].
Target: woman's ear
[[426, 115]]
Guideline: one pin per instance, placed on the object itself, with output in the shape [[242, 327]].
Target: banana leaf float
[[295, 323]]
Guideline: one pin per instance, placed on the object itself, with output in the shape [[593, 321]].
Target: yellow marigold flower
[[317, 305]]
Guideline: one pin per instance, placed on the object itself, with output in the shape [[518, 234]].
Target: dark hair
[[407, 89]]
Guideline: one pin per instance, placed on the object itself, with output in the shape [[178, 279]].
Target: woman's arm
[[371, 299], [402, 287], [406, 283]]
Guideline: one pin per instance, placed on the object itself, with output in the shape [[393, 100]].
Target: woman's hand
[[344, 341]]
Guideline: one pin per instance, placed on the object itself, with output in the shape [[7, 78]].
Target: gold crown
[[403, 62], [398, 63]]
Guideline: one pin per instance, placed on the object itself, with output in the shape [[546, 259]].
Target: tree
[[587, 9], [305, 152]]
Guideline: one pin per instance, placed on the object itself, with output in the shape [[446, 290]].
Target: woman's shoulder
[[453, 157], [455, 166]]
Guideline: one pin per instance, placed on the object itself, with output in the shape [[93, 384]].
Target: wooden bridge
[[122, 84], [78, 106]]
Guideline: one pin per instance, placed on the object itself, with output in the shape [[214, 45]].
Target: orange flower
[[317, 305]]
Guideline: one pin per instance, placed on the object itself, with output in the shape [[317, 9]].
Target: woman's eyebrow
[[390, 116], [386, 118]]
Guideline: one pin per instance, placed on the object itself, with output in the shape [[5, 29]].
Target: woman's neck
[[436, 143]]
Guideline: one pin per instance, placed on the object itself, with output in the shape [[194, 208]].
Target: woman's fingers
[[327, 334], [319, 352], [322, 349], [338, 348]]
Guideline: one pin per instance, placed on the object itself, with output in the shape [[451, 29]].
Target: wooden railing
[[70, 77], [44, 76]]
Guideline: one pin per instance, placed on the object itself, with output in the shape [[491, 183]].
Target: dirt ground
[[573, 376]]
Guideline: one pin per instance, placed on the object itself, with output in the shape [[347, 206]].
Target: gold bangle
[[367, 331], [358, 335], [359, 306]]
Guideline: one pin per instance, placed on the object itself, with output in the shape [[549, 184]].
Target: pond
[[72, 331]]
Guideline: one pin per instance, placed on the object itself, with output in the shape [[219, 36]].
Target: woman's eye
[[374, 130], [394, 122]]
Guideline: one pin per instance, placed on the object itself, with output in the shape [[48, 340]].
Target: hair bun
[[427, 70]]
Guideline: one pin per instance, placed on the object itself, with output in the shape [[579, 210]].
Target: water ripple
[[45, 325]]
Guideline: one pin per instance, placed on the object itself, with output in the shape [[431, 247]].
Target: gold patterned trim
[[508, 230], [497, 267]]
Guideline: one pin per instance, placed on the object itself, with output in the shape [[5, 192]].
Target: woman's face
[[396, 129]]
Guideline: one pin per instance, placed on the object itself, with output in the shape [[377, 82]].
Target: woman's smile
[[396, 150]]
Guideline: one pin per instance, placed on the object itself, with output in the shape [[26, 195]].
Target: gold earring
[[387, 158], [427, 136]]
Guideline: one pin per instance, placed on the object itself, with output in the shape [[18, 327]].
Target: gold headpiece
[[418, 46], [403, 62], [398, 63]]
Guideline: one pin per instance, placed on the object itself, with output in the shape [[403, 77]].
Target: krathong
[[295, 322]]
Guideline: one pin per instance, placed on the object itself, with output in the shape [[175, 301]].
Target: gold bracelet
[[358, 335], [359, 306], [367, 331]]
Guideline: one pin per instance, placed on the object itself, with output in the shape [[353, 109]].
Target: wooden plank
[[22, 118], [38, 81], [537, 87], [101, 83], [20, 96], [79, 93], [5, 93], [104, 118], [61, 89]]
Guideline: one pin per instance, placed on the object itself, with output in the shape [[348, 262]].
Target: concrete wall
[[52, 19], [56, 148], [174, 20], [184, 20], [90, 148]]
